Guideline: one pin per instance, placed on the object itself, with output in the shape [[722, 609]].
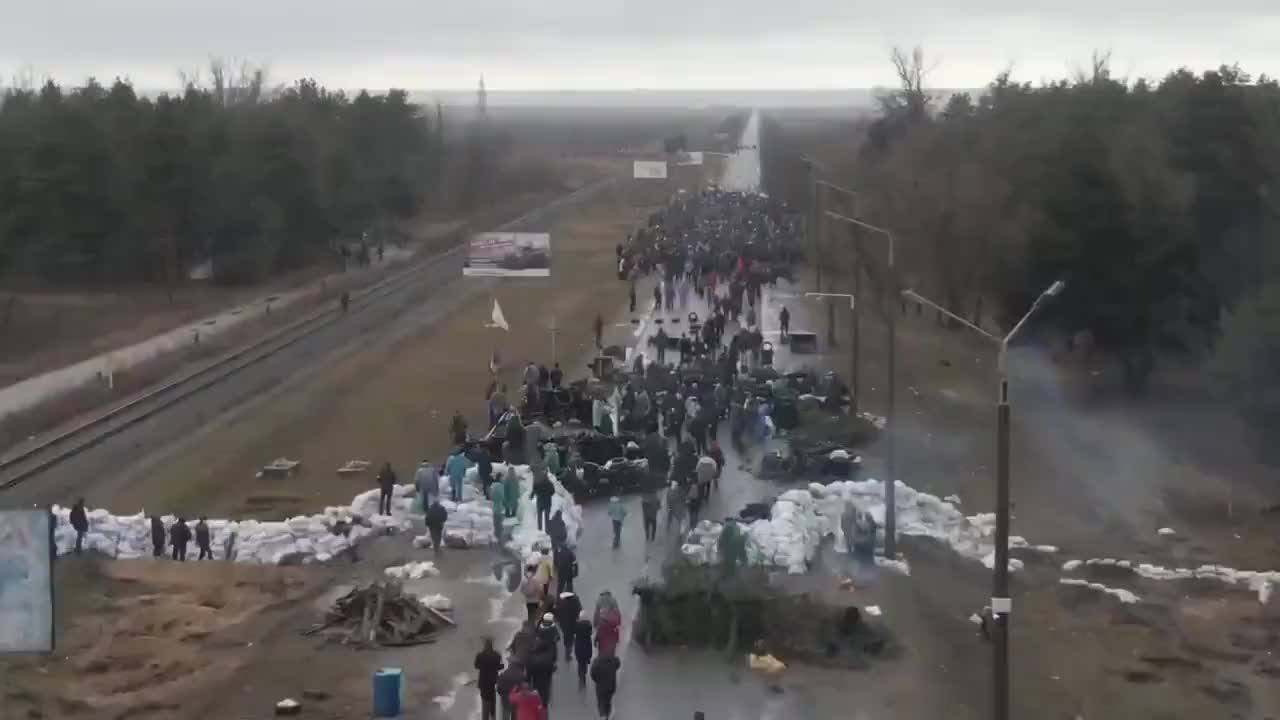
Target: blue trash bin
[[386, 692]]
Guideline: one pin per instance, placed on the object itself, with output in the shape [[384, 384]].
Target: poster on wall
[[26, 581], [649, 170], [508, 254]]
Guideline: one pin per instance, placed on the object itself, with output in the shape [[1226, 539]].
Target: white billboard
[[26, 581], [689, 158], [508, 254], [649, 170]]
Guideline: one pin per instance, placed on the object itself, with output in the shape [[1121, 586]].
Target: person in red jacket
[[528, 704]]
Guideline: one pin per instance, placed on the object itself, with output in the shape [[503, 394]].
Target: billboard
[[508, 254], [26, 581], [649, 170], [689, 158]]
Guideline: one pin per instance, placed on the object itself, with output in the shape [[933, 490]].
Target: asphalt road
[[99, 471]]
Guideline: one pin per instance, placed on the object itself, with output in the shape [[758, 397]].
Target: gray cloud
[[623, 43]]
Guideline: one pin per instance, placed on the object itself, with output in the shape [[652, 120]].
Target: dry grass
[[393, 403]]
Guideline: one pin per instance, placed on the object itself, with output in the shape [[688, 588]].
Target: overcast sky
[[620, 44]]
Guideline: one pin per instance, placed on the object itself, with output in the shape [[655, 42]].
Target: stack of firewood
[[381, 614]]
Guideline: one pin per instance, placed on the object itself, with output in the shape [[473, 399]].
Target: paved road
[[104, 467]]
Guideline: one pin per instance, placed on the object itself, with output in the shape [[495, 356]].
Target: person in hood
[[582, 649], [542, 662], [436, 518], [617, 513], [547, 634], [543, 491], [179, 536], [567, 611], [80, 523], [511, 493], [546, 570], [488, 664], [566, 566], [527, 703], [650, 505], [426, 481], [557, 530], [456, 467], [203, 539], [706, 471], [386, 485], [608, 623], [157, 537], [511, 677], [604, 673], [533, 592]]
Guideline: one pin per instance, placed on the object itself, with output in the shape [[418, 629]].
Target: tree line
[[101, 186], [1156, 202]]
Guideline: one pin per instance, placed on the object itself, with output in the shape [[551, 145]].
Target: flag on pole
[[498, 319]]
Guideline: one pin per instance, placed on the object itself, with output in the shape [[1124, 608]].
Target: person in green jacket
[[551, 458], [497, 495], [732, 547], [617, 512], [511, 492]]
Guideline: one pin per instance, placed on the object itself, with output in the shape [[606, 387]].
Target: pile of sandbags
[[412, 571], [526, 537]]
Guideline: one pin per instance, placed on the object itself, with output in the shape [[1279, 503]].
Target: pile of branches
[[700, 606], [381, 614]]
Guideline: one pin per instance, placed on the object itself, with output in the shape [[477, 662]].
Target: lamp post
[[1001, 604], [890, 441]]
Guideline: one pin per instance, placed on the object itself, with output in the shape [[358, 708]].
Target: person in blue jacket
[[456, 467]]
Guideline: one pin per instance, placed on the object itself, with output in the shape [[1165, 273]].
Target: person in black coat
[[386, 486], [80, 522], [541, 668], [582, 649], [488, 664], [566, 566], [508, 679], [604, 673], [179, 536], [203, 539], [436, 517], [543, 491], [157, 537], [557, 530], [568, 608]]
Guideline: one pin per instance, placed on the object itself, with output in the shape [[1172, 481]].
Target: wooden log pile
[[381, 614]]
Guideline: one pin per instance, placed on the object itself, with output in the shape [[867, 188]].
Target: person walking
[[604, 673], [203, 539], [157, 537], [456, 467], [542, 492], [511, 677], [617, 513], [533, 592], [426, 481], [784, 322], [542, 661], [607, 620], [80, 523], [566, 566], [437, 515], [488, 664], [527, 703], [387, 485], [557, 530], [582, 649], [510, 493], [649, 507], [567, 610], [179, 536]]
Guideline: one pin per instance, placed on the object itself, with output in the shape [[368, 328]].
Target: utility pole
[[1001, 605], [855, 334], [815, 223]]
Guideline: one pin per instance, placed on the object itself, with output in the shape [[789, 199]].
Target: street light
[[1001, 604], [890, 441]]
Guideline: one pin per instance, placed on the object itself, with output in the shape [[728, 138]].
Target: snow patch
[[412, 571], [1120, 594]]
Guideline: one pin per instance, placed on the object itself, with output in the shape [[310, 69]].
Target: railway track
[[29, 462]]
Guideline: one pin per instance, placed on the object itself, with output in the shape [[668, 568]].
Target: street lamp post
[[890, 441], [1001, 604]]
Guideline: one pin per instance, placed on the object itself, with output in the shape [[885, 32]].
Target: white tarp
[[649, 169], [688, 158], [312, 538]]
